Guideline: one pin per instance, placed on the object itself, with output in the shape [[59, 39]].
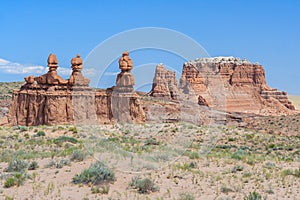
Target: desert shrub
[[297, 172], [193, 165], [239, 154], [143, 186], [33, 165], [17, 165], [78, 155], [186, 166], [26, 135], [73, 129], [225, 189], [62, 139], [253, 196], [9, 182], [97, 173], [40, 134], [186, 196], [58, 163], [269, 165], [237, 168], [151, 141], [104, 189], [287, 172], [23, 128], [194, 155], [18, 179]]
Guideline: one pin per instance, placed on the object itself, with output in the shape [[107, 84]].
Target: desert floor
[[181, 160]]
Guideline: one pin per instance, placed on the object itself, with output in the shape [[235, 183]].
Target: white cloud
[[17, 68], [64, 71], [3, 62], [89, 72], [111, 73]]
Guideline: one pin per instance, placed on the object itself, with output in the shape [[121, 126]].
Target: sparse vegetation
[[143, 186], [78, 155], [33, 165], [18, 179], [17, 165], [254, 196], [96, 174], [40, 134], [186, 196], [241, 161]]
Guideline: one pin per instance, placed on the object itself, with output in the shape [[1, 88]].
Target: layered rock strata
[[164, 84], [231, 84], [50, 100]]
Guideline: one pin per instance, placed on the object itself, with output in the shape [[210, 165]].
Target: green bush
[[97, 173], [9, 182], [58, 163], [23, 128], [78, 155], [62, 139], [237, 168], [143, 186], [186, 196], [17, 165], [73, 129], [253, 196], [152, 141], [194, 155], [297, 172], [40, 134], [33, 165], [18, 179], [239, 154]]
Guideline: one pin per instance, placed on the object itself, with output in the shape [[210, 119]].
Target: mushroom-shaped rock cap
[[125, 53], [52, 60], [77, 60], [125, 62]]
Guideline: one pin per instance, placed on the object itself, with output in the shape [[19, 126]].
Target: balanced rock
[[125, 80], [125, 104], [76, 77]]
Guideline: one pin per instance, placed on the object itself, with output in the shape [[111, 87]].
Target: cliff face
[[164, 84], [50, 100], [231, 84]]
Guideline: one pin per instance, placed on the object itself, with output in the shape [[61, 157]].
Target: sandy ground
[[213, 175]]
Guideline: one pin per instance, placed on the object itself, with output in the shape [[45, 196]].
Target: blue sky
[[264, 31]]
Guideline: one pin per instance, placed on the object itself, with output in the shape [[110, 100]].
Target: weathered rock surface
[[50, 100], [125, 102], [164, 83], [125, 80], [231, 84]]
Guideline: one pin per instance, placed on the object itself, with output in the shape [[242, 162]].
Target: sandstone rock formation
[[76, 77], [231, 84], [51, 77], [124, 101], [125, 80], [164, 83], [50, 100]]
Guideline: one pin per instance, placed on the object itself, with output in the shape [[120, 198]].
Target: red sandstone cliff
[[231, 84]]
